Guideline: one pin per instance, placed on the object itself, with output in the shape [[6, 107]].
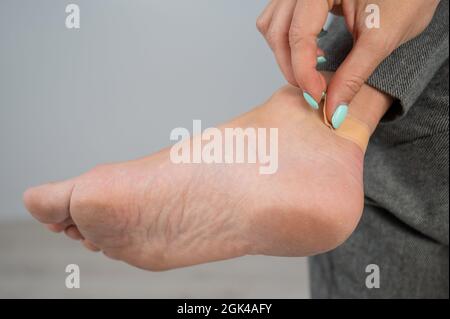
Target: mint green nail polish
[[311, 101], [339, 115], [321, 59]]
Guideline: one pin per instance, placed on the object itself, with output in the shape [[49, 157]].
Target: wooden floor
[[33, 261]]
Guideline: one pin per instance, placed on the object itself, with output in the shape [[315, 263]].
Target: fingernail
[[339, 115], [311, 101], [321, 59]]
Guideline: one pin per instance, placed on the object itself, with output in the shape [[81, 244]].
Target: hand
[[291, 28]]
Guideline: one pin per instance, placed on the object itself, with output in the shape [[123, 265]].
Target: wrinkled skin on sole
[[157, 215]]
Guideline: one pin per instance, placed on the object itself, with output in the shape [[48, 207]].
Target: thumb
[[359, 65]]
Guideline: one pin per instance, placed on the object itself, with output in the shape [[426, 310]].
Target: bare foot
[[158, 215]]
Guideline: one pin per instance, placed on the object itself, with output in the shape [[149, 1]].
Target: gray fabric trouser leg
[[411, 264]]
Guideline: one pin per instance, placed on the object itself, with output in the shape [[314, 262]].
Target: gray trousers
[[411, 265], [405, 225]]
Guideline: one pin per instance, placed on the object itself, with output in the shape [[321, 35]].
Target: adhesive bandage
[[352, 129]]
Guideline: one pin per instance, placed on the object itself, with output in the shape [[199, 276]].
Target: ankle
[[369, 106]]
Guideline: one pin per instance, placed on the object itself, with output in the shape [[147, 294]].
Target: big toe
[[49, 203]]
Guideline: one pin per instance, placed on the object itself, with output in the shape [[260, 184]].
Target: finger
[[278, 37], [360, 63], [263, 21], [309, 18], [50, 203], [73, 232]]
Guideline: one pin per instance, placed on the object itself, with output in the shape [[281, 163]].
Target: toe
[[55, 228], [89, 245], [110, 255], [59, 227], [49, 203], [73, 232]]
